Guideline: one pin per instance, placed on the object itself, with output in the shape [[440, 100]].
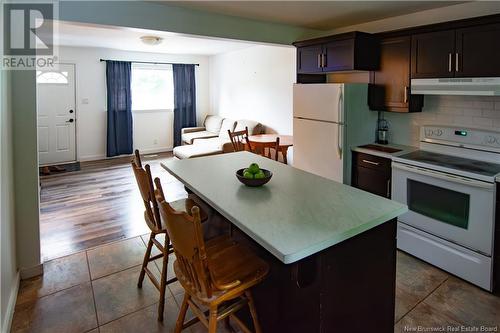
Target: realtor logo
[[28, 35]]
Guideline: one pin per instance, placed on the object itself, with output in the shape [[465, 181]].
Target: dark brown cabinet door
[[433, 54], [394, 73], [309, 59], [338, 55], [478, 51], [372, 174]]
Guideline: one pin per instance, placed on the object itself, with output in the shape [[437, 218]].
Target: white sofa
[[212, 138]]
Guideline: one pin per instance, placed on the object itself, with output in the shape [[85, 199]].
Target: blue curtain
[[119, 137], [184, 99]]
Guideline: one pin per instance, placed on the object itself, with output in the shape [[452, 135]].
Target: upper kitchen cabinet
[[466, 52], [345, 52], [433, 54], [478, 51], [391, 83]]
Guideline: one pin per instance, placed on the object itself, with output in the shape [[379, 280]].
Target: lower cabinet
[[372, 174]]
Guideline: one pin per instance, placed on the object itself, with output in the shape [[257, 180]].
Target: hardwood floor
[[96, 205]]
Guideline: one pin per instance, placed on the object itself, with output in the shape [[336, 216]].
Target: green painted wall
[[25, 155], [165, 17]]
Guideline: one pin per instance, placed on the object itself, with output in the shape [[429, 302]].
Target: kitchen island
[[331, 247]]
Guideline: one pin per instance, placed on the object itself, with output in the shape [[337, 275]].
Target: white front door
[[56, 115]]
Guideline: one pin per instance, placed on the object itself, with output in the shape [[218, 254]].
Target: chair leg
[[163, 279], [212, 321], [145, 261], [253, 312], [182, 314]]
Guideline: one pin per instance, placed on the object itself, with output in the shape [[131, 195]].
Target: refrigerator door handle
[[339, 131]]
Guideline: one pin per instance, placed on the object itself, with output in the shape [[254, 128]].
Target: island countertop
[[295, 215]]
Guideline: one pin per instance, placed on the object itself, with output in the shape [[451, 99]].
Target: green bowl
[[254, 182]]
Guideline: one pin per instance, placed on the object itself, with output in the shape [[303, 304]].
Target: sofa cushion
[[213, 124], [196, 150], [254, 127], [227, 124], [189, 137]]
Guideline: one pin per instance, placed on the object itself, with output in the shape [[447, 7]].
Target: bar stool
[[217, 274], [153, 220]]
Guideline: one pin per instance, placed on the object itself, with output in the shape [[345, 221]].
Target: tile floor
[[96, 291]]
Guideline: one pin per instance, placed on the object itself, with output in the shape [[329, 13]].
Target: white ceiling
[[72, 34], [321, 15]]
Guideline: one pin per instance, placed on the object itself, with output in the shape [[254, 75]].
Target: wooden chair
[[217, 274], [153, 220], [239, 140], [268, 147]]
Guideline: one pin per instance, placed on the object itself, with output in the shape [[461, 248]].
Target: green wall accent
[[165, 17], [24, 118]]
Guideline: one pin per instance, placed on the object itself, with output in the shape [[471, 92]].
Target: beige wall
[[255, 83], [9, 276]]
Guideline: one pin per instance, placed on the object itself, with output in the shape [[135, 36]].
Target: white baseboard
[[89, 158], [30, 272], [11, 305]]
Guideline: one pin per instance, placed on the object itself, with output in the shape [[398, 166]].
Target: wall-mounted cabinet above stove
[[350, 51], [467, 52]]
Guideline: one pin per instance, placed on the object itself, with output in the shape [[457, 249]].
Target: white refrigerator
[[328, 120]]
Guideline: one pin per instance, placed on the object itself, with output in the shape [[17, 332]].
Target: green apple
[[260, 175], [248, 175], [254, 168]]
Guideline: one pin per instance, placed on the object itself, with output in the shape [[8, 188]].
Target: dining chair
[[157, 227], [239, 140], [217, 274], [268, 147]]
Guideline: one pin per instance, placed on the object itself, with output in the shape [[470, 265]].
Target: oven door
[[460, 210]]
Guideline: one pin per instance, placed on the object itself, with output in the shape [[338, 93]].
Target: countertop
[[295, 215], [404, 150]]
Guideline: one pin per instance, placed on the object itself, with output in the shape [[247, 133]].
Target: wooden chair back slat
[[137, 158], [239, 140], [268, 147], [145, 184], [186, 236]]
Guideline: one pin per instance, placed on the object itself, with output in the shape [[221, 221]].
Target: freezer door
[[317, 148], [318, 101]]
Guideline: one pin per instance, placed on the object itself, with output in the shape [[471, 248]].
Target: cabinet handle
[[388, 188], [371, 162], [319, 60], [323, 60], [456, 63], [406, 94], [449, 62]]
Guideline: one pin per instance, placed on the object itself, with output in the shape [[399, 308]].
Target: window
[[51, 77], [152, 87]]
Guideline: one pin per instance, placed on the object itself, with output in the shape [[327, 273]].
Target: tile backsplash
[[468, 111]]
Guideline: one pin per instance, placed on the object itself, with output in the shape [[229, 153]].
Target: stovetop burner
[[454, 162]]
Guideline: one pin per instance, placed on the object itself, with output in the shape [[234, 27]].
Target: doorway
[[56, 115]]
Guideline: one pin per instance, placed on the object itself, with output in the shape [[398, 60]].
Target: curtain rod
[[151, 62]]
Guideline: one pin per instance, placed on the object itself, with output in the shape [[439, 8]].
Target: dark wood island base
[[349, 287]]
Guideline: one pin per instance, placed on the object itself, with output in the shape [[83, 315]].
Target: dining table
[[331, 247], [259, 140]]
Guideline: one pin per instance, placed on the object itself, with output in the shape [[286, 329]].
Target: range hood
[[483, 86]]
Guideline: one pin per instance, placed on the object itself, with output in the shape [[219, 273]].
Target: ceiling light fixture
[[151, 40]]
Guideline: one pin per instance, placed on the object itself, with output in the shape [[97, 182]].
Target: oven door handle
[[444, 176]]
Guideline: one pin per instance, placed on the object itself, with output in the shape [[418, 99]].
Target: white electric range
[[450, 190]]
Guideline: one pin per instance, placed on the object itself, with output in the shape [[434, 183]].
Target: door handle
[[449, 62], [388, 188], [70, 121], [456, 62], [370, 162]]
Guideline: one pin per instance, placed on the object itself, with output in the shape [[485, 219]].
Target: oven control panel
[[460, 136]]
